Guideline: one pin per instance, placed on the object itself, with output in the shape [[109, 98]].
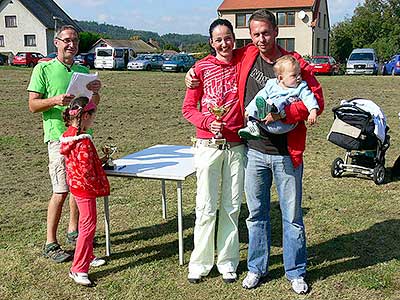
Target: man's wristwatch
[[282, 114]]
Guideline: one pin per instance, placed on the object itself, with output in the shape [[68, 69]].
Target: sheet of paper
[[77, 85]]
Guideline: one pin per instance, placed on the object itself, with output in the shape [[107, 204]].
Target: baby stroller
[[360, 127]]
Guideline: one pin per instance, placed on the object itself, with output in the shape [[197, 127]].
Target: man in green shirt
[[47, 94]]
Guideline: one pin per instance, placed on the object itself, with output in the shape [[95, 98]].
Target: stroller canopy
[[376, 112]]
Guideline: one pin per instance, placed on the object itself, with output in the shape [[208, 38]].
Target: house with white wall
[[303, 24], [30, 25]]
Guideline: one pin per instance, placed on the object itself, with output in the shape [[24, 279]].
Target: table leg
[[180, 222], [164, 200], [107, 225]]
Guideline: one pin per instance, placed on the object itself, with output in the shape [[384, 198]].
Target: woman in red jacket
[[219, 156], [86, 180]]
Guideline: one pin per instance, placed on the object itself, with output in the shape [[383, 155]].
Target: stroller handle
[[350, 105]]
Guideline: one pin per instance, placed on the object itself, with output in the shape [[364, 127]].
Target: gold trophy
[[218, 112], [108, 150]]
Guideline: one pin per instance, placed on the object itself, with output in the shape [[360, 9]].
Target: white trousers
[[214, 168]]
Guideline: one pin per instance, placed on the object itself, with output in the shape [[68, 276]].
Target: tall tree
[[375, 24]]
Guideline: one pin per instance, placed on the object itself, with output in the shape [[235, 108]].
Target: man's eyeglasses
[[68, 41]]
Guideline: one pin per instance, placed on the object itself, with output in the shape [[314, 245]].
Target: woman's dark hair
[[215, 23], [75, 110]]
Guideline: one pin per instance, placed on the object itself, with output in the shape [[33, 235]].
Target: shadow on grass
[[147, 254], [358, 250]]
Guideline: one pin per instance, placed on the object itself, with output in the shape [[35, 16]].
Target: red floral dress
[[85, 174]]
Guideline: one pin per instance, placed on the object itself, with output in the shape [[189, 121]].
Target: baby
[[286, 88]]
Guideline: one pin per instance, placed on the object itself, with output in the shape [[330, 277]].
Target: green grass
[[353, 225]]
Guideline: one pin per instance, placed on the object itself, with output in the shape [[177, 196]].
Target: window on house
[[318, 46], [324, 46], [242, 42], [319, 20], [287, 44], [11, 21], [325, 21], [1, 40], [285, 18], [242, 20], [30, 40]]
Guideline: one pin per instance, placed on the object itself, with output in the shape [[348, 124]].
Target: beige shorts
[[57, 172]]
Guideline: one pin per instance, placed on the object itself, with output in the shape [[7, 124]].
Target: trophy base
[[108, 167]]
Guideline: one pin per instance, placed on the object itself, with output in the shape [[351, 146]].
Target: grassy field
[[353, 225]]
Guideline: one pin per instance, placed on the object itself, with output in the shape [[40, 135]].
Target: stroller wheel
[[379, 174], [337, 168]]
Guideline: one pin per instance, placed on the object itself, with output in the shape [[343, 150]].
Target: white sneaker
[[80, 278], [251, 132], [194, 277], [251, 281], [229, 277], [97, 262], [299, 286]]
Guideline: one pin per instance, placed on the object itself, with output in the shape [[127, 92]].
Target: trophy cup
[[108, 150], [218, 112]]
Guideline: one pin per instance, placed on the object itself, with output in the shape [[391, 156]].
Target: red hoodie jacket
[[85, 174], [295, 112], [218, 84]]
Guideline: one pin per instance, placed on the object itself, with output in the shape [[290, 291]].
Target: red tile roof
[[256, 4]]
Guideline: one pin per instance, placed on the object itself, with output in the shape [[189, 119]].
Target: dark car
[[392, 66], [324, 65], [48, 57], [85, 59], [29, 59], [1, 60], [178, 63]]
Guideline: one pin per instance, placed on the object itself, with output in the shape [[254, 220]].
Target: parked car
[[48, 57], [324, 65], [29, 59], [85, 59], [1, 60], [178, 63], [392, 66], [362, 61], [146, 62]]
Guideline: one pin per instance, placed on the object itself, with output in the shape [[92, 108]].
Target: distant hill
[[185, 42]]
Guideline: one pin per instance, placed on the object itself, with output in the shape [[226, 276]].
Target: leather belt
[[220, 144]]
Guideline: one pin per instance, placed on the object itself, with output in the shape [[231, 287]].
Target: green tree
[[87, 39], [375, 24]]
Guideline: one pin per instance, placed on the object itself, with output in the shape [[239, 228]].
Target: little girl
[[86, 180]]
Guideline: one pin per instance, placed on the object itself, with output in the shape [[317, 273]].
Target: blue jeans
[[260, 170]]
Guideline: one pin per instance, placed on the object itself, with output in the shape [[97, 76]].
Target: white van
[[362, 61], [113, 58]]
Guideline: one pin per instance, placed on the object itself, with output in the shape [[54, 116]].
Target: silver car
[[146, 62]]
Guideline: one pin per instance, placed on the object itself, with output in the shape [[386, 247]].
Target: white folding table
[[162, 162]]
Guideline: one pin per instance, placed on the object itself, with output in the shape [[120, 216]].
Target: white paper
[[77, 85]]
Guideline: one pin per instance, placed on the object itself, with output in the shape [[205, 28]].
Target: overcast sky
[[173, 16]]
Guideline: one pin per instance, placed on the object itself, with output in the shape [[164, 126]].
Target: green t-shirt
[[51, 79]]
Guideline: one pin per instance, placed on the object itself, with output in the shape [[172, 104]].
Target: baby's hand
[[271, 117], [312, 117]]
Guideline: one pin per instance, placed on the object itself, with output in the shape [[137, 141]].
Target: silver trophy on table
[[108, 150]]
